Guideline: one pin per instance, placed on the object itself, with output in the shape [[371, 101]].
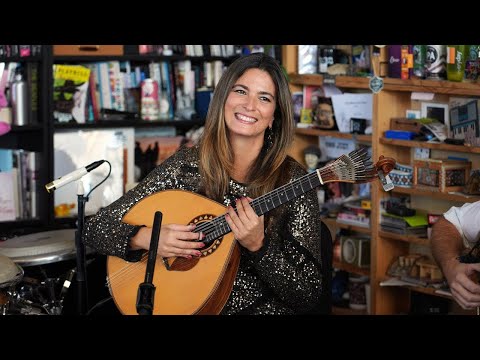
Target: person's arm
[[105, 231], [448, 240], [289, 260]]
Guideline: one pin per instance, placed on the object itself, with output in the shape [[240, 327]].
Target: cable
[[101, 182], [101, 302]]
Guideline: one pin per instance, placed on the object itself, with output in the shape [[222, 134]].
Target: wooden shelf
[[435, 146], [390, 84], [335, 134], [351, 268], [336, 310], [181, 124], [428, 291], [340, 81], [420, 289], [406, 238], [361, 229], [333, 223], [133, 57], [392, 101], [438, 87], [436, 194]]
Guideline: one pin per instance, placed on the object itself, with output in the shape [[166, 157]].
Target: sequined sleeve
[[290, 261], [106, 232]]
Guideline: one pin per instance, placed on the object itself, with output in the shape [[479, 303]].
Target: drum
[[10, 273], [40, 248]]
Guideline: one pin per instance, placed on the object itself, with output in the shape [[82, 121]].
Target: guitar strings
[[354, 166]]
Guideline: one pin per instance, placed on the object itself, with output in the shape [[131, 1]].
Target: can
[[435, 62], [149, 100], [419, 55]]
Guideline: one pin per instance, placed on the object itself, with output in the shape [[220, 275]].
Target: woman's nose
[[250, 103]]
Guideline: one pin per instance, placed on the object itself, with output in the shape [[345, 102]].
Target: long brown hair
[[216, 155]]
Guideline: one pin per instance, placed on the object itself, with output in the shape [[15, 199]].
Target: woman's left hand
[[246, 225]]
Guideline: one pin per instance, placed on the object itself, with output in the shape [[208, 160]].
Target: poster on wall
[[76, 149]]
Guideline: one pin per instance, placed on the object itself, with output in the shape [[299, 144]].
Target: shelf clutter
[[406, 97]]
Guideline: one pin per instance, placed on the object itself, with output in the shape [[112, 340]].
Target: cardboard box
[[86, 50]]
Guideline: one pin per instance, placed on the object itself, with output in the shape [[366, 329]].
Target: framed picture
[[413, 114], [436, 111]]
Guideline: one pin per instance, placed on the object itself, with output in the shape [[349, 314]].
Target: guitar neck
[[285, 193], [269, 201]]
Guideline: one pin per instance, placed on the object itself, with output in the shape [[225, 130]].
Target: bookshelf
[[134, 67], [39, 136], [392, 101], [31, 137]]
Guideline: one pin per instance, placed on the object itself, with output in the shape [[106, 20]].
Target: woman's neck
[[245, 154]]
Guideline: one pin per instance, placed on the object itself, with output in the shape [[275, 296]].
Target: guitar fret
[[269, 204]]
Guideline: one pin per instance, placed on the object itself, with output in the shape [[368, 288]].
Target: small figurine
[[312, 155]]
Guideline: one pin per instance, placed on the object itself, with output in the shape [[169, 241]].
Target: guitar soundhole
[[211, 244]]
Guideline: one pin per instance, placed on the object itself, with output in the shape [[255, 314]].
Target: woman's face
[[250, 105]]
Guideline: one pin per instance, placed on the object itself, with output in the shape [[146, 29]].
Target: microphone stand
[[146, 290], [81, 275]]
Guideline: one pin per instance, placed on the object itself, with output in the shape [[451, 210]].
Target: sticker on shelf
[[376, 84]]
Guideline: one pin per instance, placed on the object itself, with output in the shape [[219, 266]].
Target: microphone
[[74, 175]]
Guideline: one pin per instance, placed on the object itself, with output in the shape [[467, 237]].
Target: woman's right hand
[[175, 240]]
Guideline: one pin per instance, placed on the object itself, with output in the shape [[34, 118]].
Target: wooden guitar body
[[196, 286]]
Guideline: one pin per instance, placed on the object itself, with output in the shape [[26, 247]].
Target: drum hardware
[[36, 291]]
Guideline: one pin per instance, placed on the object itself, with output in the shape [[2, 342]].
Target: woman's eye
[[264, 98], [240, 91]]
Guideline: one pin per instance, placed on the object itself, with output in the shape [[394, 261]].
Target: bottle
[[19, 99], [456, 56]]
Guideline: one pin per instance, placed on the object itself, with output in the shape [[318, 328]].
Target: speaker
[[355, 250]]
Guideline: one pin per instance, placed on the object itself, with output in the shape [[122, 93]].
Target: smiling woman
[[241, 155]]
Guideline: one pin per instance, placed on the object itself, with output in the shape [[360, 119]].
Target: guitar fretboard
[[263, 204]]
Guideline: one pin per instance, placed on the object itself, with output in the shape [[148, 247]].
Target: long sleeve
[[106, 232], [288, 265], [289, 262]]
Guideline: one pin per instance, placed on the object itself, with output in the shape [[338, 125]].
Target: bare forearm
[[447, 242]]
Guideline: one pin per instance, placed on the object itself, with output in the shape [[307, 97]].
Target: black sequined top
[[283, 277]]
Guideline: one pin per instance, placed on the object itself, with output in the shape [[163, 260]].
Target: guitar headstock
[[384, 165], [356, 167]]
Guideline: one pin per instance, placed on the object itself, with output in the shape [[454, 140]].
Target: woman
[[241, 155]]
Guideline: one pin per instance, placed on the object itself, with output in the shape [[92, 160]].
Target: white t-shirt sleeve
[[467, 221]]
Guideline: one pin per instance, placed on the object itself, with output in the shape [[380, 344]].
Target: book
[[70, 85], [7, 201]]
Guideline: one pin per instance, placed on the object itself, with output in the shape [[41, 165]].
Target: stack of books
[[405, 225]]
